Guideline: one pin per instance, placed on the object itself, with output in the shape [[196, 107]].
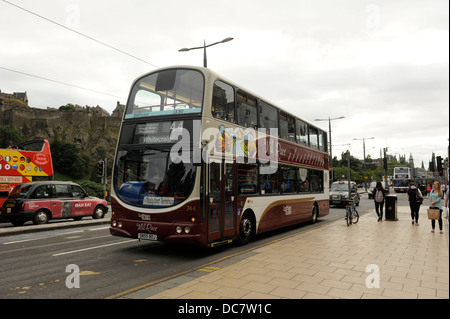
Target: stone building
[[19, 96]]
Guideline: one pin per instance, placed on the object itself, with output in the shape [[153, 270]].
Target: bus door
[[221, 205], [229, 185]]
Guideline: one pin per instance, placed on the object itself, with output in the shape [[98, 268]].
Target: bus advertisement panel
[[29, 161]]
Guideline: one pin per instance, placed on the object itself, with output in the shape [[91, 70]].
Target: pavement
[[368, 260]]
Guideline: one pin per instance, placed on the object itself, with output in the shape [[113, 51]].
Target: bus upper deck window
[[222, 106]]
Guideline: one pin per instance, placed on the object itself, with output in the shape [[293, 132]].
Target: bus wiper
[[149, 147], [126, 148]]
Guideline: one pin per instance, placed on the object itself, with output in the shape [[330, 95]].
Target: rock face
[[92, 129]]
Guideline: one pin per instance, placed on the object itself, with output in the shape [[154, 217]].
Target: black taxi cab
[[45, 200], [341, 194]]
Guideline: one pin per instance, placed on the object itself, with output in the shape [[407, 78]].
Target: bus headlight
[[114, 223], [119, 224], [187, 230], [179, 229]]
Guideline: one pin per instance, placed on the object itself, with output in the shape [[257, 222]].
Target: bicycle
[[351, 214]]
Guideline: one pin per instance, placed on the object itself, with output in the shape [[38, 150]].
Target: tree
[[81, 167], [354, 162], [9, 136], [67, 159], [370, 163], [67, 107], [356, 168]]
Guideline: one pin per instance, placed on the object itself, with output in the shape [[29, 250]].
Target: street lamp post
[[331, 153], [205, 64], [364, 154]]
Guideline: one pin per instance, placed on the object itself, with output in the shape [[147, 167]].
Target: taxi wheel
[[41, 217], [99, 212]]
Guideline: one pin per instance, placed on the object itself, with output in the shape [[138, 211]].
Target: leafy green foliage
[[67, 107], [67, 159], [374, 172], [9, 136], [92, 188]]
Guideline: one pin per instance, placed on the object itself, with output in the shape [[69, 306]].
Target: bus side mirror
[[166, 80]]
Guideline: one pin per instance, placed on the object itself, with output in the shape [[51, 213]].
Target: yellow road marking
[[152, 283]]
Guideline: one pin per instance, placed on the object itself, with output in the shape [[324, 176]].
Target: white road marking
[[95, 247], [98, 228], [60, 234], [38, 238]]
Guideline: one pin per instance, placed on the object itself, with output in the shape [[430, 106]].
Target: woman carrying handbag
[[435, 200]]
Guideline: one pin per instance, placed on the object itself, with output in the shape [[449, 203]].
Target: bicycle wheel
[[348, 217], [355, 216]]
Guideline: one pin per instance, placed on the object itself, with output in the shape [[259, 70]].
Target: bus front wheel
[[246, 229]]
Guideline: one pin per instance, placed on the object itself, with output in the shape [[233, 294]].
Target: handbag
[[434, 213]]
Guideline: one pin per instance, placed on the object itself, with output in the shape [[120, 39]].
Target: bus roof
[[208, 73]]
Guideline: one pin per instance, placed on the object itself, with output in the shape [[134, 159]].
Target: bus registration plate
[[147, 236]]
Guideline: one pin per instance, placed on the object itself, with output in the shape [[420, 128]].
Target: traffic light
[[439, 165], [101, 168], [385, 161]]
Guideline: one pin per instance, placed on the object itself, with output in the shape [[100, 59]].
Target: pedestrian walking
[[415, 198], [435, 201], [379, 195]]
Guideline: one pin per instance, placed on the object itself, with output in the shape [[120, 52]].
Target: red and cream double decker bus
[[201, 160], [29, 161], [402, 179]]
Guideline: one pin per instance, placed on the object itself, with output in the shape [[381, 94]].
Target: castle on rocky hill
[[92, 129]]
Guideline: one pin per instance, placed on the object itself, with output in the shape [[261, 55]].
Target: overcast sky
[[381, 64]]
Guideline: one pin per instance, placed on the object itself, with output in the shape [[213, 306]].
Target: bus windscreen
[[177, 91]]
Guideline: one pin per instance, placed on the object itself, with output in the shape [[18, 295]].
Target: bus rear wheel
[[315, 214], [246, 229]]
